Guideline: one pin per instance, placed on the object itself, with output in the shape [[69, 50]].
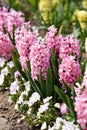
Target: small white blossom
[[34, 98], [4, 71], [21, 119], [44, 126], [20, 99], [47, 99], [64, 125], [14, 87], [10, 63], [29, 111], [79, 85], [16, 106], [85, 70], [43, 108], [1, 79], [10, 101], [57, 105], [24, 93], [27, 86], [35, 29], [2, 62]]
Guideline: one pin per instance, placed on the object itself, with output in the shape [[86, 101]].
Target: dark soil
[[9, 116]]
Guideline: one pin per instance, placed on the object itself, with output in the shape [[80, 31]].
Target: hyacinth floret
[[69, 70], [11, 18], [24, 38], [81, 109], [53, 41], [69, 46], [5, 46], [39, 59]]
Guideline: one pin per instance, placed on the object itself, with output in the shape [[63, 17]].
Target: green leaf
[[17, 65], [61, 94], [28, 67], [34, 86], [67, 87], [83, 66], [11, 71], [71, 107], [42, 84], [66, 99], [54, 65], [34, 3], [49, 83], [73, 93]]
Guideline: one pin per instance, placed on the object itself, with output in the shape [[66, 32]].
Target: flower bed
[[45, 74]]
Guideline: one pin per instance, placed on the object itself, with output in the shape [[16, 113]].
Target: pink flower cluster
[[81, 109], [69, 70], [69, 46], [39, 51], [8, 19], [63, 109], [24, 38], [52, 40], [39, 59], [2, 2], [5, 46]]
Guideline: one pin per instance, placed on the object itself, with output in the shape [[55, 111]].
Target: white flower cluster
[[25, 92], [2, 62], [63, 125], [33, 99], [4, 72], [45, 106], [14, 87]]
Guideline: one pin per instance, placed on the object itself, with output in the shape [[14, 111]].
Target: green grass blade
[[49, 83]]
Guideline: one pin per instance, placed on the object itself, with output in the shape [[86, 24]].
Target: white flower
[[47, 99], [65, 125], [29, 111], [35, 29], [43, 108], [20, 99], [27, 86], [10, 63], [79, 85], [10, 101], [2, 62], [24, 93], [57, 105], [14, 87], [4, 71], [21, 119], [85, 70], [1, 79], [16, 106], [34, 98], [44, 126]]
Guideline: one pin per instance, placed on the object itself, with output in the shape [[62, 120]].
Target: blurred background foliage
[[69, 16]]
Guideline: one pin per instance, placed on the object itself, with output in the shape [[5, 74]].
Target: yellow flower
[[84, 3], [45, 6], [81, 15], [86, 44], [55, 2]]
